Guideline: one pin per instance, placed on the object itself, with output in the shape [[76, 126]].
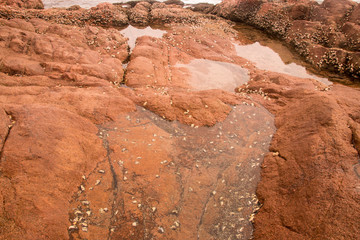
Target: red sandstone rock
[[61, 84], [310, 156], [139, 15], [332, 11], [37, 4], [333, 24], [103, 15], [355, 15], [81, 160]]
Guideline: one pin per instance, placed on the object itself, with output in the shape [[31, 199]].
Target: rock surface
[[36, 4], [100, 143], [308, 179], [326, 35]]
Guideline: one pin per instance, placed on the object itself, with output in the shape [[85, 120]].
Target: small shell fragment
[[77, 212], [72, 227]]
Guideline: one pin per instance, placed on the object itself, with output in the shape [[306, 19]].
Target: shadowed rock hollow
[[97, 142]]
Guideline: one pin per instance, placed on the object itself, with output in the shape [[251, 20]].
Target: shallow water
[[208, 174], [208, 74], [133, 33], [267, 59], [272, 55]]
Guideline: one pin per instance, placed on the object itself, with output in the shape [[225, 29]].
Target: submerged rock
[[326, 35], [171, 157]]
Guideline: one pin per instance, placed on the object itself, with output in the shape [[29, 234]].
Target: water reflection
[[266, 59], [208, 74], [133, 33]]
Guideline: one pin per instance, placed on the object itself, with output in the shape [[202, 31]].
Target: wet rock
[[312, 153], [139, 14], [64, 115], [304, 25]]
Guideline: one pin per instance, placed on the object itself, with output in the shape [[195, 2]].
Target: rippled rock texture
[[97, 142], [326, 34]]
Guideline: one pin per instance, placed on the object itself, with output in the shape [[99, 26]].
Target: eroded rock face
[[104, 14], [36, 4], [99, 144], [326, 34]]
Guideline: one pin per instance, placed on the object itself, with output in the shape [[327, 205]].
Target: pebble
[[97, 182]]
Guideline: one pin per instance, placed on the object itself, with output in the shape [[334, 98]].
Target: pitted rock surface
[[100, 143]]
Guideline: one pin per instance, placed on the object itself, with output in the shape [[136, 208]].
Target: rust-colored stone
[[100, 144]]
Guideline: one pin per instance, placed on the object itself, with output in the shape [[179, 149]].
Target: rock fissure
[[7, 134], [115, 183], [355, 142]]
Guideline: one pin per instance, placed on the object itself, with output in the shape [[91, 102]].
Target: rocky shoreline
[[326, 35], [97, 142]]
